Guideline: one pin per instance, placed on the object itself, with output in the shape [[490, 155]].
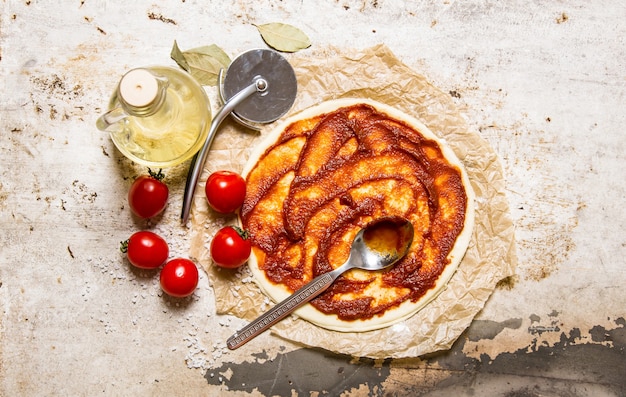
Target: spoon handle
[[282, 309]]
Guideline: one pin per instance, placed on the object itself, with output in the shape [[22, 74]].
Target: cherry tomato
[[148, 195], [145, 250], [179, 277], [225, 191], [230, 247]]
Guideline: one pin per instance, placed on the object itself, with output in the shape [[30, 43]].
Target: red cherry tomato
[[225, 191], [148, 195], [230, 247], [179, 277], [145, 250]]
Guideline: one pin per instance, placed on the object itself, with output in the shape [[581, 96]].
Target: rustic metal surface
[[544, 82]]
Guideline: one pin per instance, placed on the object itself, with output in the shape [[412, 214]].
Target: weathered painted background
[[543, 81]]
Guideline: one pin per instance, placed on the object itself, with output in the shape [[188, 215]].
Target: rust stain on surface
[[55, 86], [562, 18], [543, 207], [158, 17], [55, 95]]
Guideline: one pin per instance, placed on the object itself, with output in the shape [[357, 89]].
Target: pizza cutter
[[258, 88]]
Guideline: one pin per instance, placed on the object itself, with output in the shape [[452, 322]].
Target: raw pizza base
[[408, 308]]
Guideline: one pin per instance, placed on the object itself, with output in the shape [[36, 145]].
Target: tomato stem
[[242, 233], [157, 175], [124, 246]]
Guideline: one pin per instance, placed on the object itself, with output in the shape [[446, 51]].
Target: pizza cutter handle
[[284, 308], [197, 163]]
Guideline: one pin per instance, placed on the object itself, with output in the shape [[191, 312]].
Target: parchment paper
[[377, 74]]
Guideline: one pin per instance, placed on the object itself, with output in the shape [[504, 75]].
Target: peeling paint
[[550, 369], [299, 372], [601, 368], [485, 329]]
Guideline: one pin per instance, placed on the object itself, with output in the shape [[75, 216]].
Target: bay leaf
[[283, 37], [206, 62], [177, 55], [203, 63]]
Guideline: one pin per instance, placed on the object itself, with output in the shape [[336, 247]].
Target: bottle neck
[[141, 93]]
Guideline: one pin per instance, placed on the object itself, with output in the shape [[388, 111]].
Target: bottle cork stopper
[[139, 87]]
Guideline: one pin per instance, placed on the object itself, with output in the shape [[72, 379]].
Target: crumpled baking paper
[[377, 74]]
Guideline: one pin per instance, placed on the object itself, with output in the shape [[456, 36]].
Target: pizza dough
[[333, 186]]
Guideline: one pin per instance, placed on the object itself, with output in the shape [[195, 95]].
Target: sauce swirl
[[328, 176]]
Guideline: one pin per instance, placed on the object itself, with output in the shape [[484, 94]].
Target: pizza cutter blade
[[259, 87]]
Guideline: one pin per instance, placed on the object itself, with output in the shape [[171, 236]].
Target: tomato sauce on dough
[[328, 176]]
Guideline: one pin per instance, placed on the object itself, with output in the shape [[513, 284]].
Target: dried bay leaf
[[177, 55], [283, 37], [204, 63]]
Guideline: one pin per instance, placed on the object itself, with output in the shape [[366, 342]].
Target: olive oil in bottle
[[158, 116]]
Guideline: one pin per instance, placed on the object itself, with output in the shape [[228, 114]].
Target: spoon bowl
[[379, 245]]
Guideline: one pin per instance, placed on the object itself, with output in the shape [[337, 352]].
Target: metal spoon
[[380, 244]]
